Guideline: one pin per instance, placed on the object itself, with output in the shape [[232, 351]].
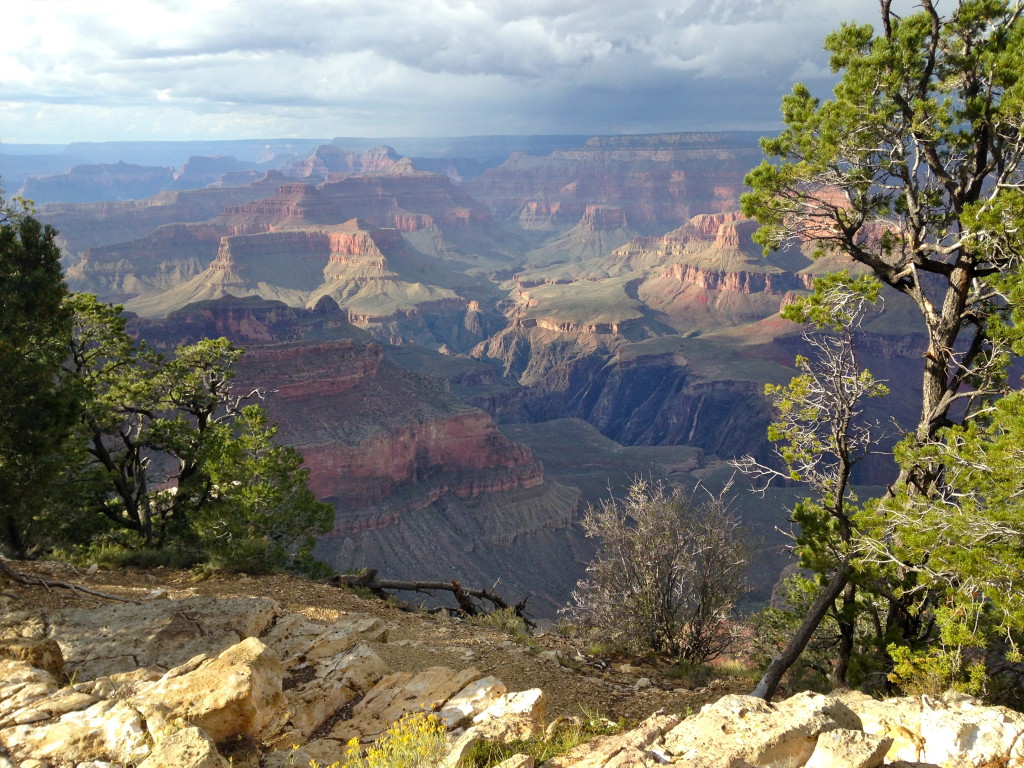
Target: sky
[[139, 70]]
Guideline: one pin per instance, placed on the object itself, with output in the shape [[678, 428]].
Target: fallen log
[[38, 581], [468, 599]]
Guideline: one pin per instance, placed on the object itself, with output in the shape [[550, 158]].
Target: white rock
[[188, 748], [471, 701], [850, 749], [747, 728], [529, 704], [237, 693], [108, 730], [966, 735], [517, 761]]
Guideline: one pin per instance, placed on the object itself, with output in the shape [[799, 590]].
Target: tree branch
[[39, 581]]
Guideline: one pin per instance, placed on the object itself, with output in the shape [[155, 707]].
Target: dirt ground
[[616, 688]]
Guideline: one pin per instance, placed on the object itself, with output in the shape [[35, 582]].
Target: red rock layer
[[369, 430], [402, 201]]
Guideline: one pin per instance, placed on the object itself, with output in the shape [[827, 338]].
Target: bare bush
[[667, 574]]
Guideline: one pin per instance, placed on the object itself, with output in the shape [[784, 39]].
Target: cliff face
[[91, 183], [95, 225], [248, 321], [367, 431], [659, 181], [382, 200], [327, 159], [600, 230], [414, 475], [168, 256], [411, 471]]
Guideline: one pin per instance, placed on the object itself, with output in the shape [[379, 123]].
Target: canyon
[[468, 350]]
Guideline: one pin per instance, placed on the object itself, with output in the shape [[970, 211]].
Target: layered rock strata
[[423, 485], [659, 180]]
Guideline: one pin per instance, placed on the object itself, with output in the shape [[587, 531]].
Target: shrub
[[505, 619], [418, 740], [560, 737], [667, 574]]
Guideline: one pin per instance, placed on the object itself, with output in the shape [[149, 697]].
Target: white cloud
[[191, 68]]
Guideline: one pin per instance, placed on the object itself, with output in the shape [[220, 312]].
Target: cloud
[[190, 68]]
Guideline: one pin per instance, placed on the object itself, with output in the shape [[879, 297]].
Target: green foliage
[[173, 460], [505, 619], [106, 553], [815, 668], [936, 670], [913, 171], [557, 739], [964, 544], [262, 515], [37, 399], [698, 674], [667, 574]]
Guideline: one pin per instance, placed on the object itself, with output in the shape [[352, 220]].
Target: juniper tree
[[37, 402], [177, 458], [913, 171]]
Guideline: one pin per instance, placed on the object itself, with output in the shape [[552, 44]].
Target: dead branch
[[39, 581], [467, 599]]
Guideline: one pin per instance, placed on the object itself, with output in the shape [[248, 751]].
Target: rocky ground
[[273, 672], [616, 688]]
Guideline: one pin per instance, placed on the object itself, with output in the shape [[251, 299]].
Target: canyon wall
[[423, 485]]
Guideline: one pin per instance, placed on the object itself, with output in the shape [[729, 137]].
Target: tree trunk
[[847, 626], [13, 537], [770, 680]]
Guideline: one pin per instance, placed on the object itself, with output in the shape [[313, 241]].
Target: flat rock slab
[[162, 633]]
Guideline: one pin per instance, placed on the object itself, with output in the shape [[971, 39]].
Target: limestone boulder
[[238, 693], [59, 703], [41, 653], [959, 732], [471, 701], [187, 748], [850, 749], [107, 731], [316, 690], [398, 694], [531, 705], [509, 728], [641, 746], [461, 746], [295, 638], [121, 685], [747, 728], [896, 719], [21, 685]]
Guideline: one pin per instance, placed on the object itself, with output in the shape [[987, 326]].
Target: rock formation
[[96, 225], [188, 683], [424, 486], [612, 282], [92, 183], [659, 180], [328, 159]]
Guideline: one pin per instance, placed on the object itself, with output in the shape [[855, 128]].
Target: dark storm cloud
[[330, 67]]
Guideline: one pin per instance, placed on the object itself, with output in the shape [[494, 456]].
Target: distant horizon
[[329, 140]]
